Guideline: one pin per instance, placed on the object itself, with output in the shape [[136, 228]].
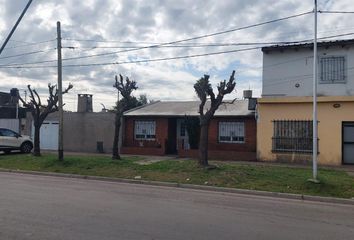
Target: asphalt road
[[40, 207]]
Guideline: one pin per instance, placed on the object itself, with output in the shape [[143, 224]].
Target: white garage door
[[48, 135]]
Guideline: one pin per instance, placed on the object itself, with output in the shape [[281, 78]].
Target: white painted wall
[[283, 70], [12, 124]]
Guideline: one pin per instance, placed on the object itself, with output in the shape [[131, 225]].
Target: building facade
[[83, 131], [285, 110], [160, 128]]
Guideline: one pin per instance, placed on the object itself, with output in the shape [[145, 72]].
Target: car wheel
[[26, 147]]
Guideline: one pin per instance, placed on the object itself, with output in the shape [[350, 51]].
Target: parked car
[[10, 140]]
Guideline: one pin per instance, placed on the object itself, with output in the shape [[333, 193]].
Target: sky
[[94, 27]]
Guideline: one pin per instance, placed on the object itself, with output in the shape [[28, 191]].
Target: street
[[42, 207]]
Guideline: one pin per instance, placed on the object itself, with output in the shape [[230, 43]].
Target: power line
[[28, 53], [201, 45], [20, 66], [50, 61], [31, 44], [320, 11], [160, 45], [195, 38], [337, 28], [195, 45], [163, 59], [137, 61], [179, 41]]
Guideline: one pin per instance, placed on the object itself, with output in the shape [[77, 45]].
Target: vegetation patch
[[334, 183]]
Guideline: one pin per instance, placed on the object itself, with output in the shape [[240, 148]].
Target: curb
[[191, 186]]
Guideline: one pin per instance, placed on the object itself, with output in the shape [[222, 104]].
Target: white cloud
[[153, 21]]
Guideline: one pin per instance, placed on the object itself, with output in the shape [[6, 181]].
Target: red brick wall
[[217, 150], [228, 151], [250, 135], [155, 147]]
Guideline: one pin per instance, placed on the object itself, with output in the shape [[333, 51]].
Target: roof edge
[[308, 45], [136, 108]]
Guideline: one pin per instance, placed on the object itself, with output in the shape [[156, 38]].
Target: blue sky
[[145, 22]]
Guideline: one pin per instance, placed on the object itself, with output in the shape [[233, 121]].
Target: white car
[[10, 140]]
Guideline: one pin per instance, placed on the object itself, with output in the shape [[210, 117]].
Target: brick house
[[159, 129]]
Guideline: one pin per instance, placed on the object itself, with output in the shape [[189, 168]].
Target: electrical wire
[[197, 45], [17, 65], [221, 32], [351, 12], [28, 53], [195, 38], [137, 61], [201, 45], [31, 44]]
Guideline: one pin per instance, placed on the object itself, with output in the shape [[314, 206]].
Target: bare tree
[[204, 91], [40, 111], [127, 102]]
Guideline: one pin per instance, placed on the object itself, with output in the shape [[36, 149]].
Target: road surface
[[41, 207]]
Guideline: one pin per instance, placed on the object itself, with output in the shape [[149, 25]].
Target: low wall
[[142, 150], [220, 155]]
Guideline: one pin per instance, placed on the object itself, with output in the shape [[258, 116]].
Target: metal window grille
[[292, 136], [145, 130], [233, 132], [332, 69]]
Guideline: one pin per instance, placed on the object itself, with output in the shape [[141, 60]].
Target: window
[[145, 130], [232, 132], [292, 136], [333, 69], [8, 133]]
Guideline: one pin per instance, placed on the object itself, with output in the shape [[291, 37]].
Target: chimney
[[247, 94], [84, 103], [14, 96]]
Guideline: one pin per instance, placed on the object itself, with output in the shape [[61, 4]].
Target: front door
[[171, 140], [182, 136], [348, 142]]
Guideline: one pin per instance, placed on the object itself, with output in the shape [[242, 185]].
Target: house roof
[[324, 44], [190, 108]]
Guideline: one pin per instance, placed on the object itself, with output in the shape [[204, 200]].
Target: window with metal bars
[[333, 69], [145, 130], [292, 136], [232, 132]]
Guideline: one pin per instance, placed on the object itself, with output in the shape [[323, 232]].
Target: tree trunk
[[203, 144], [115, 154], [37, 148]]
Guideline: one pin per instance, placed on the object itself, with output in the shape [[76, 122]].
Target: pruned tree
[[192, 127], [204, 91], [40, 111], [127, 102]]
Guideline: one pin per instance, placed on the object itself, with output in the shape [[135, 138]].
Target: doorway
[[348, 142], [172, 136]]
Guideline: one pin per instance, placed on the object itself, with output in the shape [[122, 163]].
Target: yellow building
[[284, 112], [335, 117]]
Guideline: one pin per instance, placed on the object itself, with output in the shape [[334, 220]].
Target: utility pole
[[315, 122], [15, 26], [60, 95]]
